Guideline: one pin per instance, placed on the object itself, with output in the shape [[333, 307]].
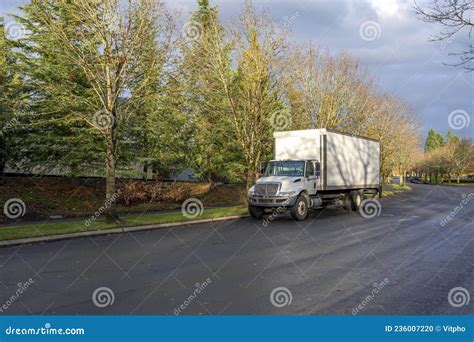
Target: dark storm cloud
[[400, 57]]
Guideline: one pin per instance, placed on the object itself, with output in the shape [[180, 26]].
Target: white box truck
[[314, 168]]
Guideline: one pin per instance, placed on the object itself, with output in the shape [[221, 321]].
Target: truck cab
[[289, 184]]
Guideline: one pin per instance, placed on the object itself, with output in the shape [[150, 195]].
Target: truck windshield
[[285, 168]]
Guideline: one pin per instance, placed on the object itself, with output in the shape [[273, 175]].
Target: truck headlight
[[286, 193]]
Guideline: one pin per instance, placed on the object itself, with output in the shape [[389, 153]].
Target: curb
[[39, 239]]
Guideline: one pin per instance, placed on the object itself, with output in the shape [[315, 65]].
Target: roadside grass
[[79, 225], [451, 182], [454, 184], [392, 189]]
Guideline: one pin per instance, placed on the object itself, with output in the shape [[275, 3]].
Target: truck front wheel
[[256, 212], [299, 210]]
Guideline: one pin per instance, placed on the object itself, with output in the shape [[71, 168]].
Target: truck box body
[[347, 162]]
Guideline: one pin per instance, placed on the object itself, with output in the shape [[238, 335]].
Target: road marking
[[409, 218]]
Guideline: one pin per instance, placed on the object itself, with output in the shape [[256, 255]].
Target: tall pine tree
[[210, 140]]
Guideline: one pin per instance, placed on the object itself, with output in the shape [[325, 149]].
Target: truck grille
[[269, 189]]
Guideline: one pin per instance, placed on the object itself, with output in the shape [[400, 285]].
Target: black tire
[[378, 194], [299, 210], [356, 199], [256, 212], [347, 201]]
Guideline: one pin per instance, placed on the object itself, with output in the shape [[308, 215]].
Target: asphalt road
[[400, 262]]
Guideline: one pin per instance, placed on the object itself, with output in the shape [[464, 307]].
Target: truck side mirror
[[318, 169]]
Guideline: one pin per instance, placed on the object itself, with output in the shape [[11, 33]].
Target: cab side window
[[309, 169]]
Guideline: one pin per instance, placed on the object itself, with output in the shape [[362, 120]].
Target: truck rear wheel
[[256, 212], [356, 199], [299, 210]]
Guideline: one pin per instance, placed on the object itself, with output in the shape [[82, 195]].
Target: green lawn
[[79, 225], [454, 184], [392, 189]]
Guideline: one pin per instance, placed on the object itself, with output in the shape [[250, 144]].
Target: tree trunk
[[249, 180], [251, 176], [459, 179], [111, 215], [3, 146], [212, 181], [145, 171]]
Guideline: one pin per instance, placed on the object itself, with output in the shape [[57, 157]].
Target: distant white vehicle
[[314, 168]]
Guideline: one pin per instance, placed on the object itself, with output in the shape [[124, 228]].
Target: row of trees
[[103, 84], [445, 157]]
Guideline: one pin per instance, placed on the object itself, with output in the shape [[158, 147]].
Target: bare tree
[[454, 158], [463, 157], [455, 16], [329, 91], [250, 91], [118, 46]]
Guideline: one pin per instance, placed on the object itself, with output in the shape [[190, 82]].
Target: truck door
[[311, 179]]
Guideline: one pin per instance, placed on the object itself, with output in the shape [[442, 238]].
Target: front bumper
[[271, 201]]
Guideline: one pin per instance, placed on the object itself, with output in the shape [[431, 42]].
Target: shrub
[[177, 192], [140, 191], [134, 191]]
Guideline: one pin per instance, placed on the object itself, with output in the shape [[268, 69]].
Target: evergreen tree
[[210, 139], [10, 93], [93, 66], [433, 140], [54, 135]]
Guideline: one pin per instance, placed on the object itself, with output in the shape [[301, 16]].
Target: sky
[[386, 37]]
